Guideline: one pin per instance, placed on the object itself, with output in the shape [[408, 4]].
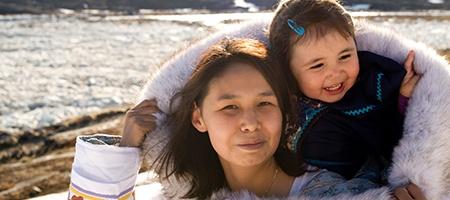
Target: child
[[226, 134], [347, 99]]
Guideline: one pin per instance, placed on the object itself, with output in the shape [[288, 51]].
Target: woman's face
[[241, 115]]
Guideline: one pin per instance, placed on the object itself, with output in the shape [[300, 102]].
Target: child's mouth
[[335, 89]]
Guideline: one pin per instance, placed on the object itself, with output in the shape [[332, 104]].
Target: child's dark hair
[[189, 154], [317, 17]]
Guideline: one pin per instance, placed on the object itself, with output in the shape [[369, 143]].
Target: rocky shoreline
[[48, 170]]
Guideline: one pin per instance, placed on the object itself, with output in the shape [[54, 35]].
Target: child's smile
[[335, 89], [325, 68]]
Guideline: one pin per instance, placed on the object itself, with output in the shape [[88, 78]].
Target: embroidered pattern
[[310, 114], [82, 193], [379, 91], [360, 111]]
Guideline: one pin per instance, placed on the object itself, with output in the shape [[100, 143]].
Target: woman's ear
[[197, 120]]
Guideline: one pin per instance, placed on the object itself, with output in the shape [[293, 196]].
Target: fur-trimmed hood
[[423, 154]]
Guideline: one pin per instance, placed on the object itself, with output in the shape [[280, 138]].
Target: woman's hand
[[409, 192], [139, 120], [411, 78]]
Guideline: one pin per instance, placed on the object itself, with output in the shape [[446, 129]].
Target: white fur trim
[[423, 155]]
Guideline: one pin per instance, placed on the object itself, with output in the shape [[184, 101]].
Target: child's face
[[242, 117], [325, 68]]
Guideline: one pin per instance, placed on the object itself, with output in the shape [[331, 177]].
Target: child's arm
[[408, 84]]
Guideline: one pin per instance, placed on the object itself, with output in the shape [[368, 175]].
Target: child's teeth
[[334, 87]]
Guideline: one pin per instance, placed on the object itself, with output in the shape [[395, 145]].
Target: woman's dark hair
[[189, 154], [317, 17]]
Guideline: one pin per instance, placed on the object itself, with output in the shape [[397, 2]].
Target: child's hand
[[411, 78], [139, 120], [409, 192]]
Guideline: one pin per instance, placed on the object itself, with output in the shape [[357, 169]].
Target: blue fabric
[[328, 184]]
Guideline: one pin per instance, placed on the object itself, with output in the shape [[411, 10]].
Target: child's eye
[[345, 57], [316, 66]]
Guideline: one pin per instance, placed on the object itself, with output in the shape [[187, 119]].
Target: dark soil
[[42, 170]]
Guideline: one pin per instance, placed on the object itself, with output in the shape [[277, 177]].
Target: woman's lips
[[251, 145]]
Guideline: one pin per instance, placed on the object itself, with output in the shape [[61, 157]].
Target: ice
[[54, 67]]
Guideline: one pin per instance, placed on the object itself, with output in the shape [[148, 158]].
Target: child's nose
[[334, 71]]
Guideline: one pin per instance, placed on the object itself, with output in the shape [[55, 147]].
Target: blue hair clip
[[299, 30]]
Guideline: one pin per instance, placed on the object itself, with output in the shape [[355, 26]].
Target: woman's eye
[[317, 66], [344, 57], [230, 107], [265, 103]]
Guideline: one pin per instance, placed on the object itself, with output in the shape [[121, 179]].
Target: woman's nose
[[249, 122]]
